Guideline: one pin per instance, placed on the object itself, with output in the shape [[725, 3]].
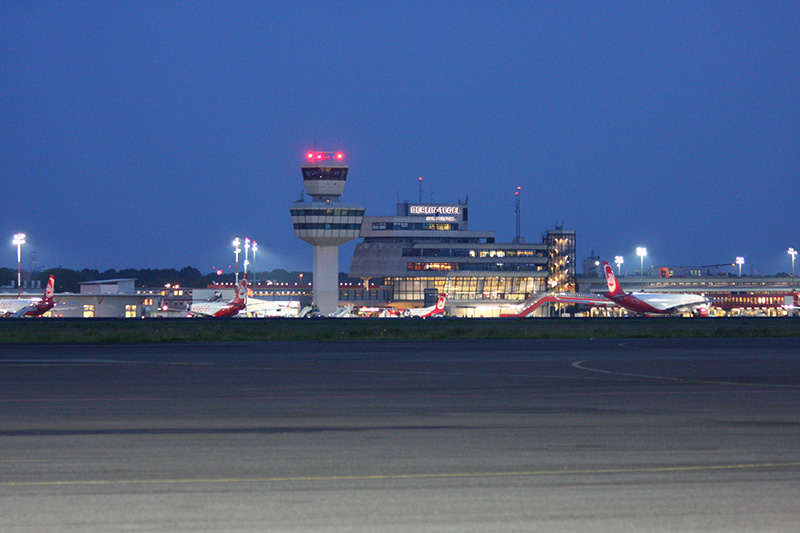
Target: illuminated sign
[[434, 210], [441, 219]]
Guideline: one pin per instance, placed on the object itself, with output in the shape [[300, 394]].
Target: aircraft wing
[[584, 299], [22, 310]]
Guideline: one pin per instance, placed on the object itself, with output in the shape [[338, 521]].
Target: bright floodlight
[[19, 240], [236, 251], [740, 262], [619, 260], [641, 251], [793, 253], [255, 249], [246, 249]]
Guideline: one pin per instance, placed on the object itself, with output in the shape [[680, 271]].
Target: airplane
[[791, 300], [264, 308], [417, 312], [222, 309], [30, 306], [654, 302]]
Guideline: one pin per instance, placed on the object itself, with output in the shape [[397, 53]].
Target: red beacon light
[[322, 156]]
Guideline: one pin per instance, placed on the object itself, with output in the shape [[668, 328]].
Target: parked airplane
[[30, 306], [265, 308], [654, 302], [418, 312], [222, 309]]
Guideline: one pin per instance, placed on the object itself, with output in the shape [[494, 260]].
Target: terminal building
[[427, 249]]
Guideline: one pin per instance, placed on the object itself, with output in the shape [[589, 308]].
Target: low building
[[111, 298]]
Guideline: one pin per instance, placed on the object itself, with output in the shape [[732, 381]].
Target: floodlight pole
[[246, 249], [19, 240], [619, 260], [255, 270], [236, 250], [641, 252]]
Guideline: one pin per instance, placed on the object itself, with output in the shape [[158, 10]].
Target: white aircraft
[[654, 302], [30, 306], [418, 312], [265, 308], [222, 309]]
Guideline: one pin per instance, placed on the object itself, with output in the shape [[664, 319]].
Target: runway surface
[[634, 435]]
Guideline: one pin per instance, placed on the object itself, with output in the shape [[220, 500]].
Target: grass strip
[[128, 331]]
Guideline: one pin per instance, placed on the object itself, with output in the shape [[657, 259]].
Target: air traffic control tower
[[324, 223]]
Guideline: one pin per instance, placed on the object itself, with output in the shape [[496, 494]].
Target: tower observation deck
[[325, 223]]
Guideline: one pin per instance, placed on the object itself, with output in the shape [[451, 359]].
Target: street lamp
[[619, 260], [740, 262], [793, 253], [236, 250], [19, 240], [255, 271]]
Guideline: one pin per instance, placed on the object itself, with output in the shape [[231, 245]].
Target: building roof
[[104, 281]]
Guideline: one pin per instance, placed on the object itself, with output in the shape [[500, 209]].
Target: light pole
[[236, 250], [619, 260], [246, 249], [793, 253], [641, 251], [19, 240], [740, 262], [255, 271]]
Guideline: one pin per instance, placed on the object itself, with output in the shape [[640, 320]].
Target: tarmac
[[559, 435]]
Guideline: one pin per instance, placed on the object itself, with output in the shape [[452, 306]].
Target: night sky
[[150, 134]]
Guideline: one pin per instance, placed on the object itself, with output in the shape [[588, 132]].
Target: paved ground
[[402, 436]]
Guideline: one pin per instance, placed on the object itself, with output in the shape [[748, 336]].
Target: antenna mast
[[517, 238]]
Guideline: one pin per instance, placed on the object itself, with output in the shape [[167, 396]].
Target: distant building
[[110, 298], [109, 286]]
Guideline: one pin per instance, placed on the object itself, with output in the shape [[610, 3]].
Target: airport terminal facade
[[427, 249]]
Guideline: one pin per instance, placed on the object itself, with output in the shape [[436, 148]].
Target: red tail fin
[[48, 291], [241, 292], [613, 285]]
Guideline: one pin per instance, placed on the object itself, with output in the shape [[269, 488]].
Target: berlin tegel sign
[[434, 210]]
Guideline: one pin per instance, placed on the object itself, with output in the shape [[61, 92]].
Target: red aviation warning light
[[323, 156]]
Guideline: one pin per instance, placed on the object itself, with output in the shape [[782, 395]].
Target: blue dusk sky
[[150, 134]]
